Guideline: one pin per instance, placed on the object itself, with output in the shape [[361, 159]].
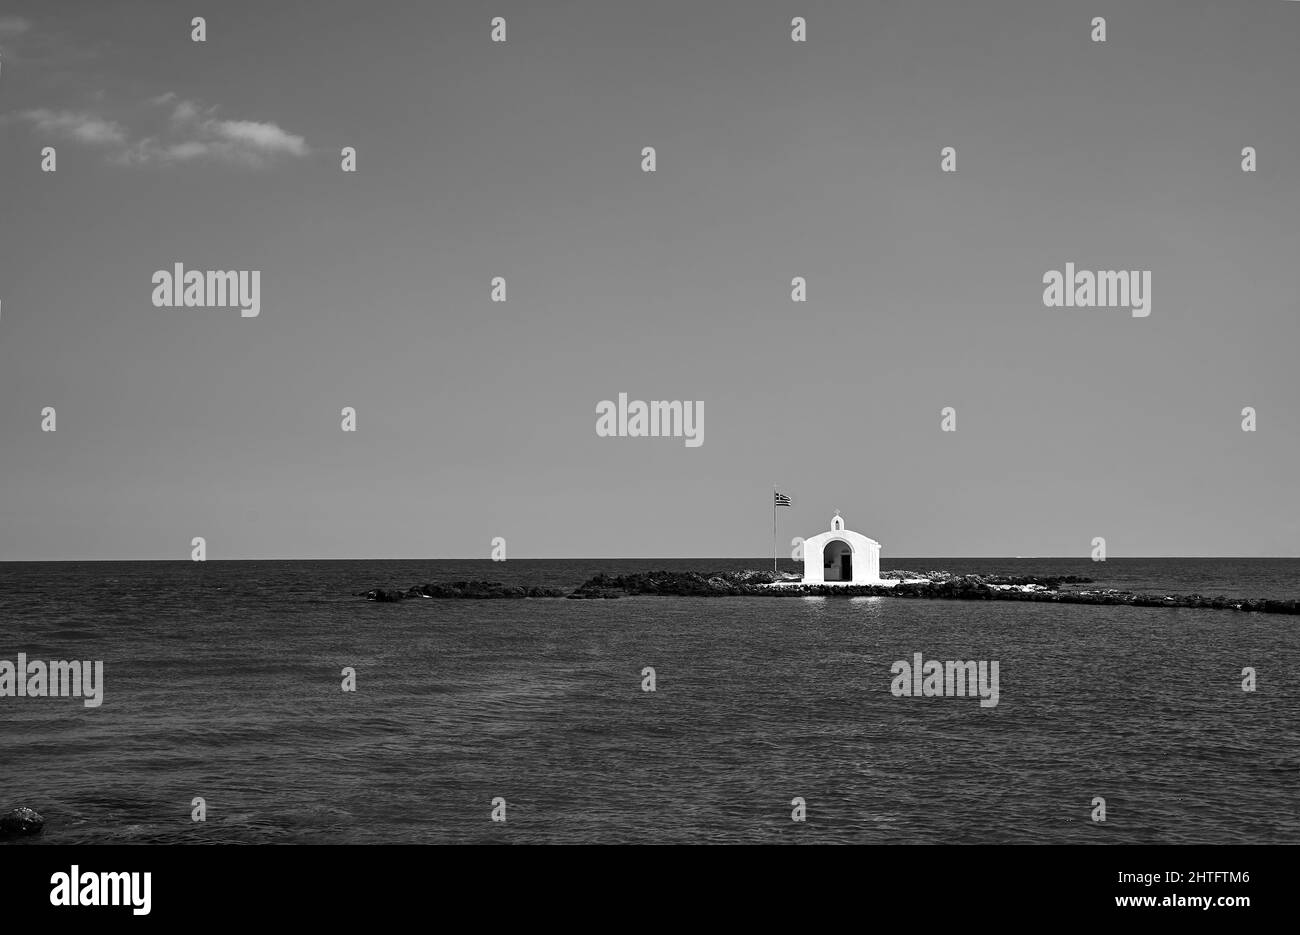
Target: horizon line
[[612, 558]]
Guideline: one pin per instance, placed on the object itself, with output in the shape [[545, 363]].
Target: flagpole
[[774, 571]]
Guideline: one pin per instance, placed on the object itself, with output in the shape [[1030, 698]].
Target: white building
[[841, 556]]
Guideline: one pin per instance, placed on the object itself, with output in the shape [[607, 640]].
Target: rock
[[678, 584], [759, 577], [384, 596], [20, 822], [1051, 582]]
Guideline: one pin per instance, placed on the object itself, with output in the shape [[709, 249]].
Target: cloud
[[193, 133], [84, 128], [185, 110], [263, 137], [152, 151]]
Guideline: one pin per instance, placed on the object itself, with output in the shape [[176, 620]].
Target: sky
[[523, 159]]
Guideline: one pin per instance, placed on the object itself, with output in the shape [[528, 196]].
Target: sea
[[223, 699]]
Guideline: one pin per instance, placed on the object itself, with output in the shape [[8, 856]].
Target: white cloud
[[192, 134], [266, 137], [84, 128]]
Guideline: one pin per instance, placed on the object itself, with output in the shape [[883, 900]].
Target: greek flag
[[781, 499]]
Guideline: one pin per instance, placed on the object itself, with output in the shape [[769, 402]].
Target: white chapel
[[841, 555]]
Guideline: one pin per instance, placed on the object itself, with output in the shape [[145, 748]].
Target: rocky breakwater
[[680, 584], [769, 584], [932, 585], [929, 585]]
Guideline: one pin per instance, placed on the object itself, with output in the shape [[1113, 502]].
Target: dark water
[[223, 681]]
